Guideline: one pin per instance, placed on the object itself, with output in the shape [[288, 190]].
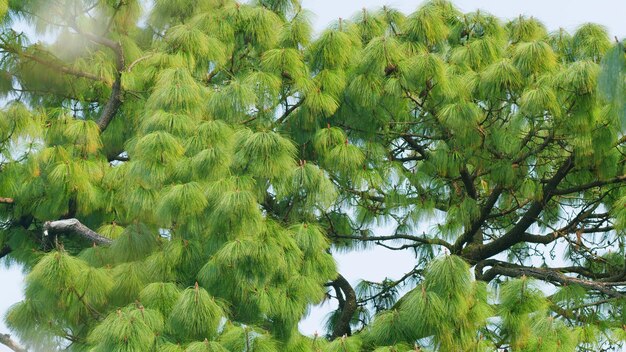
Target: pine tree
[[175, 176]]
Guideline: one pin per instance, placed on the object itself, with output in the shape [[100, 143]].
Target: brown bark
[[347, 306]]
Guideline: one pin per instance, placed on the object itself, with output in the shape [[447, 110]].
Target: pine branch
[[6, 340], [115, 99], [132, 64], [571, 227], [476, 225], [439, 203], [422, 240], [68, 96], [572, 315], [416, 146], [537, 150], [51, 64], [392, 285], [550, 275], [58, 66], [347, 306], [516, 207], [73, 225], [468, 182], [516, 233], [581, 188], [288, 112]]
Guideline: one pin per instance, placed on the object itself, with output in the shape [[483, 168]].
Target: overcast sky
[[568, 14], [377, 264]]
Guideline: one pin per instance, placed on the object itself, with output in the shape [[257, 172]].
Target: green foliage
[[129, 329], [224, 153], [194, 316]]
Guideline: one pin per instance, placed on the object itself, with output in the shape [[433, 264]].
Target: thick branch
[[115, 99], [342, 326], [476, 225], [468, 182], [73, 225], [6, 340], [590, 185], [113, 104], [288, 112], [516, 234], [6, 200], [416, 146], [549, 275], [571, 227]]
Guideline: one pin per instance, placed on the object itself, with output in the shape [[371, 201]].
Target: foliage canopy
[[177, 177]]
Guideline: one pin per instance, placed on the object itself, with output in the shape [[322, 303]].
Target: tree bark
[[6, 340], [113, 104], [475, 254], [115, 100], [73, 225], [347, 306], [548, 275]]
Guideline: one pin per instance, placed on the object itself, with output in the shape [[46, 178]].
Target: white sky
[[568, 14], [377, 264]]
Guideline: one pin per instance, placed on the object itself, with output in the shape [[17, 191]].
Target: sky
[[377, 264]]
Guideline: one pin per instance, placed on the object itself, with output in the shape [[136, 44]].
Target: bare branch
[[431, 241], [73, 225], [6, 340], [556, 277], [6, 200]]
